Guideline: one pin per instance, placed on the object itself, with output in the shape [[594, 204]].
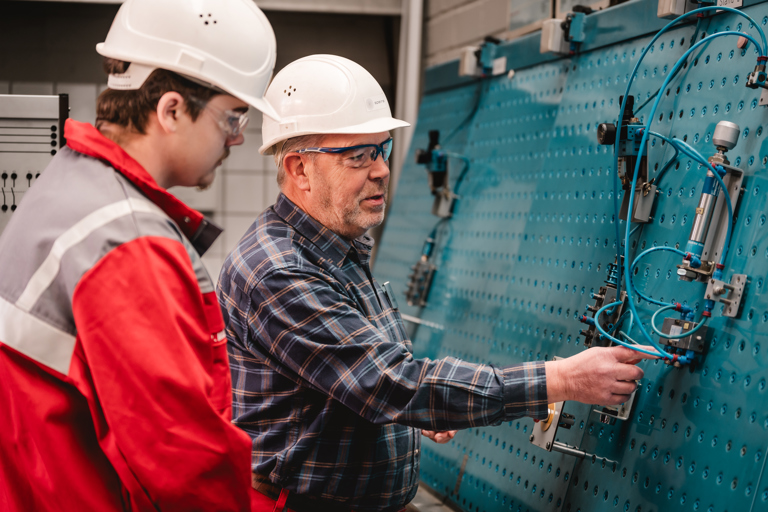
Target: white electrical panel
[[31, 133]]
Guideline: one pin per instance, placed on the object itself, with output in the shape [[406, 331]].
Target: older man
[[324, 380], [115, 389]]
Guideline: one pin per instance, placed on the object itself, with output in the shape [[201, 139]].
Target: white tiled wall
[[248, 186], [245, 185]]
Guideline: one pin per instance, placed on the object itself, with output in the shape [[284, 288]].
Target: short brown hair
[[131, 109]]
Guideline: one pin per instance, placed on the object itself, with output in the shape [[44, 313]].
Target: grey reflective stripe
[[47, 272], [35, 338], [203, 279]]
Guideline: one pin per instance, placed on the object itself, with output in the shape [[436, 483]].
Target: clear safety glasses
[[231, 122], [357, 156]]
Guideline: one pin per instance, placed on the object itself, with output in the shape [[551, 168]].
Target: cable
[[659, 353], [695, 155], [666, 167], [644, 141], [471, 114], [631, 79], [630, 281], [672, 336], [463, 172]]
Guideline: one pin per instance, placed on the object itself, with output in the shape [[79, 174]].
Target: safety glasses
[[357, 156], [231, 122]]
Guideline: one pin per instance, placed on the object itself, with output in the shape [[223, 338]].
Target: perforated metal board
[[530, 240]]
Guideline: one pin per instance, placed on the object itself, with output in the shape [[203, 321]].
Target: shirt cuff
[[525, 391]]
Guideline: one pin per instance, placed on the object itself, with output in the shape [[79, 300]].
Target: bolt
[[548, 445], [531, 438], [719, 290]]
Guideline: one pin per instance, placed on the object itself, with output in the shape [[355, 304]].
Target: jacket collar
[[85, 139], [334, 247]]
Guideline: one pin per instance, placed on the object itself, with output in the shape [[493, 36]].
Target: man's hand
[[604, 376], [440, 437]]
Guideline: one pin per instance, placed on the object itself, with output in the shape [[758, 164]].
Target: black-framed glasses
[[231, 122], [359, 156]]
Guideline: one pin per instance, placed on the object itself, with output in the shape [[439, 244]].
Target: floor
[[425, 501]]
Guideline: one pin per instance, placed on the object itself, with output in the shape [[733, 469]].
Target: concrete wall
[[49, 48]]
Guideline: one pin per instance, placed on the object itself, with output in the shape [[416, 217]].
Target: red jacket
[[115, 390]]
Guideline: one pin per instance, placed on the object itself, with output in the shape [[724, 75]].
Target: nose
[[235, 141], [379, 169]]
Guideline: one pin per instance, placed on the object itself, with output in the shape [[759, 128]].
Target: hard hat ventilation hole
[[208, 21], [289, 90]]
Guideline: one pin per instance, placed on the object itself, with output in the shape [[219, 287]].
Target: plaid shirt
[[322, 371]]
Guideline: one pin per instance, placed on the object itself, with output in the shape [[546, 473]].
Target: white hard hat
[[325, 94], [225, 44]]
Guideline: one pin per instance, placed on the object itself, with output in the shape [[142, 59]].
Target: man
[[324, 380], [115, 389]]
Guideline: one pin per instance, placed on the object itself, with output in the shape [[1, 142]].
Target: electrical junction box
[[671, 9], [469, 65], [563, 7], [552, 37]]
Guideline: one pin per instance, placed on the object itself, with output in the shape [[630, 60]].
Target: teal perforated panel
[[530, 240]]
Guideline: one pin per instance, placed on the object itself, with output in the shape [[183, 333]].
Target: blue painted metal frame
[[530, 239]]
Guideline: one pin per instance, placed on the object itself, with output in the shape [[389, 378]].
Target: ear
[[295, 166], [169, 110]]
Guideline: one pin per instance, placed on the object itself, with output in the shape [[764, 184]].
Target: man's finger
[[628, 372], [629, 356], [617, 399], [624, 387]]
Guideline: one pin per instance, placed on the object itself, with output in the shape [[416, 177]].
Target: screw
[[531, 438], [548, 445]]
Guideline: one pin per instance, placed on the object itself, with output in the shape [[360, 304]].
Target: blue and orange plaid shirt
[[322, 372]]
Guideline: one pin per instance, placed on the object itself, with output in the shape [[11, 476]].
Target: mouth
[[375, 199]]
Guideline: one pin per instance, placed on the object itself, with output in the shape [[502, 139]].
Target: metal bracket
[[419, 283], [729, 294], [544, 431], [713, 245], [619, 412], [763, 101]]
